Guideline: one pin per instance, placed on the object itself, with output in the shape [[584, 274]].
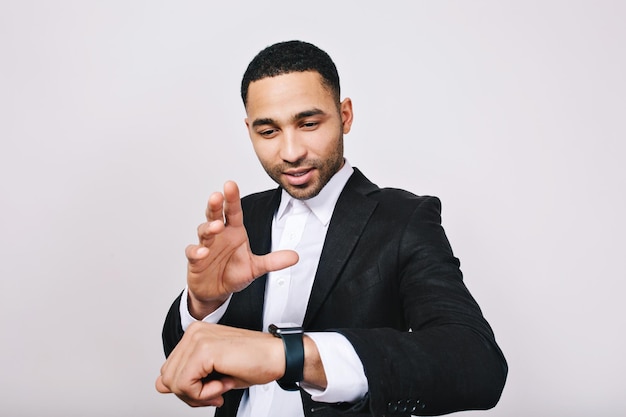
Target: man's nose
[[293, 148]]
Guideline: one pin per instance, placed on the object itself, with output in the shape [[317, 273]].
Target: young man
[[367, 273]]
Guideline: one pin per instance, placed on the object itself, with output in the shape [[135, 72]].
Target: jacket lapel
[[352, 212]]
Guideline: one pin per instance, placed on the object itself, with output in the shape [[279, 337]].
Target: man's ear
[[345, 109]]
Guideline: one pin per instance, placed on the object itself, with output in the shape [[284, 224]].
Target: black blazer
[[388, 281]]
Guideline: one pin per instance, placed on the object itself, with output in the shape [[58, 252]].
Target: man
[[389, 326]]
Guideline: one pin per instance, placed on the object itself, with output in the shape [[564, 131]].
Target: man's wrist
[[199, 309]]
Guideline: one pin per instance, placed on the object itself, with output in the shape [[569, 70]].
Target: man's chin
[[302, 192]]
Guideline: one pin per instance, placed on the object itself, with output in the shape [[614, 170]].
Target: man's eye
[[310, 125], [267, 132]]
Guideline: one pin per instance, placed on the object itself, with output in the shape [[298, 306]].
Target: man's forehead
[[305, 81], [288, 95]]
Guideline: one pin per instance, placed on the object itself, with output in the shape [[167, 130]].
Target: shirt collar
[[323, 204]]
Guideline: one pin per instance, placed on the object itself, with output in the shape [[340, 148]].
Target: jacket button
[[392, 407]]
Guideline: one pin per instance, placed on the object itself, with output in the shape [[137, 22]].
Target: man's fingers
[[214, 389], [278, 260], [195, 253], [215, 207], [232, 206], [161, 387], [225, 207], [207, 232], [209, 394]]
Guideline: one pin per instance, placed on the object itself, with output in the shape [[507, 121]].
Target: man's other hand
[[222, 262]]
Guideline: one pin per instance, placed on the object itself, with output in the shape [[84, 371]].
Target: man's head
[[294, 117], [287, 57]]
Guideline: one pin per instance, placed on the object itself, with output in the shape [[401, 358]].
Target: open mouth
[[299, 177]]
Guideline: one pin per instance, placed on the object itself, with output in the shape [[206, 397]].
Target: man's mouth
[[298, 177]]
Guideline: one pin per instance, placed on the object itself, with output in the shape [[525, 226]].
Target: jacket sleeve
[[448, 360], [172, 329]]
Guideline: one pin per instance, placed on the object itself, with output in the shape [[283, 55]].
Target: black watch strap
[[294, 354]]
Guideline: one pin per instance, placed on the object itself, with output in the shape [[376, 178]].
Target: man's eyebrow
[[262, 122], [308, 113], [298, 116]]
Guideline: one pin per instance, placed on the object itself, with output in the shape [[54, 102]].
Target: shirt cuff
[[186, 319], [346, 381]]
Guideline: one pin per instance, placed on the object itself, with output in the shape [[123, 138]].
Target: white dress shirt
[[300, 225]]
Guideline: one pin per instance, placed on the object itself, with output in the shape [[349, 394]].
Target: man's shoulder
[[395, 197], [389, 196]]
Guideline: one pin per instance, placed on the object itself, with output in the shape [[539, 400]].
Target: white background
[[119, 118]]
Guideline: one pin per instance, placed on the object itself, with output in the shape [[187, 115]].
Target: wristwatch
[[294, 354]]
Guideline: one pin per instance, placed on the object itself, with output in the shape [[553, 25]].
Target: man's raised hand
[[222, 262]]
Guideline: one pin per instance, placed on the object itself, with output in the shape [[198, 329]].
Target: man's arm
[[212, 359], [221, 264], [449, 361]]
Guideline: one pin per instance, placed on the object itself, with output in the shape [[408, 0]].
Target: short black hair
[[287, 57]]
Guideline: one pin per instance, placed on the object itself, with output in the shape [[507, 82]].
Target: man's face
[[297, 130]]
